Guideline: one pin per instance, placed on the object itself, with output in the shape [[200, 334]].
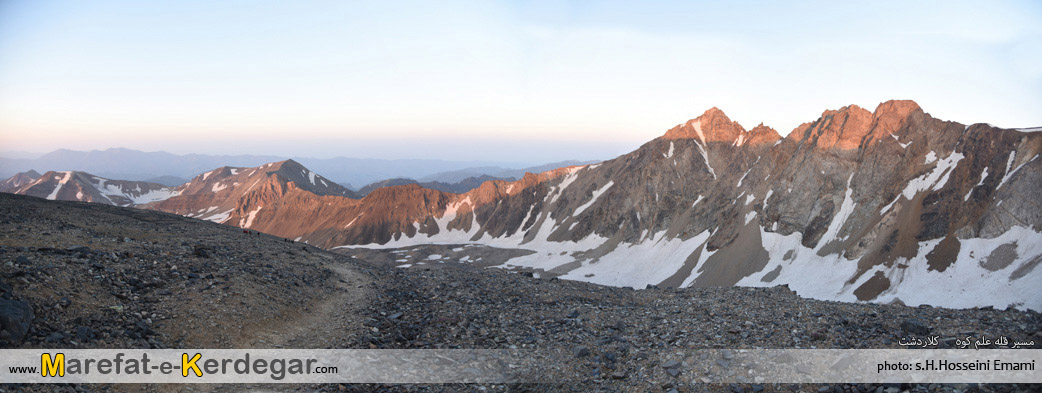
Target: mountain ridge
[[135, 165], [883, 206]]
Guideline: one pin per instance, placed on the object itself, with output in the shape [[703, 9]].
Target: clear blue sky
[[517, 81]]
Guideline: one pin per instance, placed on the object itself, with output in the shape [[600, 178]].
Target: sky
[[519, 81]]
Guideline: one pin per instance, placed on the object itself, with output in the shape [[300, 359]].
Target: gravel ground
[[105, 277], [619, 339]]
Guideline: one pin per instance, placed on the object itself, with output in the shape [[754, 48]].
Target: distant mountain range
[[890, 205], [459, 187], [168, 169], [460, 175]]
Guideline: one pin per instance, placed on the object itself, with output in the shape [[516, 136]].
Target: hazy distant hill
[[460, 175], [459, 187], [127, 164]]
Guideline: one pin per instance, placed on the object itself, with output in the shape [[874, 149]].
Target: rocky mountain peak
[[844, 128], [712, 126], [890, 114], [762, 134], [901, 108], [284, 166], [841, 128], [18, 180]]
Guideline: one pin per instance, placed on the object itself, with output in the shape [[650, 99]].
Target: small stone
[[15, 318], [84, 334], [202, 251], [582, 352], [671, 364], [912, 326]]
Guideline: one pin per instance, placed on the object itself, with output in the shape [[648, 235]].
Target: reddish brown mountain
[[219, 194], [855, 205]]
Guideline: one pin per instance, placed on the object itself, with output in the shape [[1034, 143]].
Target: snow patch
[[743, 177], [903, 145], [845, 210], [697, 124], [249, 218], [220, 217], [596, 194], [61, 183], [705, 157], [658, 261], [933, 178], [699, 199], [1010, 174], [983, 175]]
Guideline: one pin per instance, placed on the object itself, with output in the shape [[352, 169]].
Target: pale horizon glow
[[524, 81]]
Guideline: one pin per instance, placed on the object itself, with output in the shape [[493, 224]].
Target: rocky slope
[[100, 276]]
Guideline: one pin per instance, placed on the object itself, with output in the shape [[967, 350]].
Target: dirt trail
[[330, 323], [327, 324]]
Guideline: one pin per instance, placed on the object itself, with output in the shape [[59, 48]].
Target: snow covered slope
[[84, 187]]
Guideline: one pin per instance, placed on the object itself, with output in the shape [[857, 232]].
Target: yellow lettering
[[50, 367], [190, 364]]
